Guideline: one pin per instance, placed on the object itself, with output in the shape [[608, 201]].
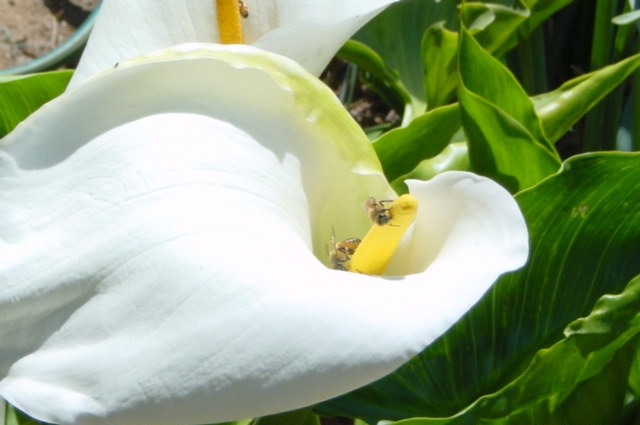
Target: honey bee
[[377, 211], [243, 8], [341, 252]]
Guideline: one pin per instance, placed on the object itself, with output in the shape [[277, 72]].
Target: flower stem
[[379, 244], [229, 24]]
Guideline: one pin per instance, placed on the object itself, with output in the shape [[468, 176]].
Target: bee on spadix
[[377, 211], [243, 8], [340, 252]]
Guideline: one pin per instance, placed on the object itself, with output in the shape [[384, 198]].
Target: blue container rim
[[58, 56]]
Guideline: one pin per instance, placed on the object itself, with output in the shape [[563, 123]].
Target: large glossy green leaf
[[20, 95], [584, 226], [579, 380], [497, 85], [505, 136], [562, 108]]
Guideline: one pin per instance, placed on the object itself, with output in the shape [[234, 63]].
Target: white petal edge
[[310, 31], [476, 217]]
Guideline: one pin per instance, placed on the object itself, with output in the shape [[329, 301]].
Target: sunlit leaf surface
[[506, 140]]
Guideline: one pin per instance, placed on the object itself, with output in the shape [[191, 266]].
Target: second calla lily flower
[[163, 239], [309, 32]]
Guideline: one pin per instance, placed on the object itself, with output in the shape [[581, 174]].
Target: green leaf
[[389, 84], [17, 417], [580, 379], [454, 157], [497, 85], [303, 416], [505, 136], [242, 422], [634, 379], [20, 95], [14, 416], [627, 18], [562, 108], [424, 65], [493, 25], [584, 226], [439, 56], [396, 35], [401, 149], [541, 10]]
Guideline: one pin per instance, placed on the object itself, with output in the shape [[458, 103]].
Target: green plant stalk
[[532, 62], [603, 33], [613, 107], [635, 109], [349, 84], [598, 127], [626, 44]]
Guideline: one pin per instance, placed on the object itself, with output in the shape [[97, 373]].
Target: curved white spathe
[[464, 205], [308, 31], [163, 236]]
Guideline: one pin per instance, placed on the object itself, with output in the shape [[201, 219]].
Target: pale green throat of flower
[[374, 252]]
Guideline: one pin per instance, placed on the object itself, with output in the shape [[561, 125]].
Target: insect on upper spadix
[[243, 9], [377, 211]]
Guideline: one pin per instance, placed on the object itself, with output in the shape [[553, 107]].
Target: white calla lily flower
[[308, 31], [163, 239]]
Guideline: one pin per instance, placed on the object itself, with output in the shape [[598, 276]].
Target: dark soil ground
[[364, 105]]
